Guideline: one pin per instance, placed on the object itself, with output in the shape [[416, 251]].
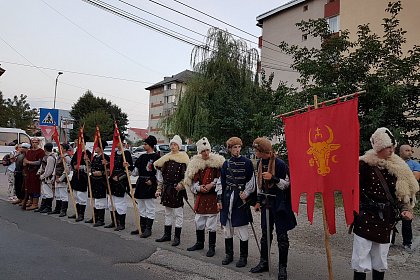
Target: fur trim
[[407, 185], [180, 157], [198, 163]]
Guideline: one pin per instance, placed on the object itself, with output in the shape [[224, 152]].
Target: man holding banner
[[61, 187]]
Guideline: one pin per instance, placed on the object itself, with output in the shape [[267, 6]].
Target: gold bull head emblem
[[321, 151]]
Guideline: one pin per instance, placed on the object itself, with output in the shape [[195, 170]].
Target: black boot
[[377, 275], [199, 245], [48, 206], [74, 215], [95, 213], [57, 208], [359, 276], [142, 226], [229, 251], [263, 264], [63, 211], [283, 244], [148, 231], [121, 222], [212, 244], [112, 224], [42, 207], [177, 236], [166, 235], [243, 254], [81, 213], [100, 220]]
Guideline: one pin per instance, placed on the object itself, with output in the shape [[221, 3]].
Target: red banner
[[56, 138], [80, 143], [95, 141], [323, 148], [115, 143]]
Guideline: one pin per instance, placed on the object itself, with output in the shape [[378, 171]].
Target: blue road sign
[[48, 117]]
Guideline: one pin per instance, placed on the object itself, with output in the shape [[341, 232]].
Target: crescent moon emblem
[[333, 159]]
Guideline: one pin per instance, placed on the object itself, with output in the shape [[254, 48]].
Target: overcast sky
[[74, 36]]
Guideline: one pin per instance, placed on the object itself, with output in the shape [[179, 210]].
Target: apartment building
[[278, 25], [164, 98]]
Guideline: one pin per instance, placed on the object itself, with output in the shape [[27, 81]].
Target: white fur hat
[[202, 145], [177, 140], [382, 138]]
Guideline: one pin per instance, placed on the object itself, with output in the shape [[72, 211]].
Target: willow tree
[[219, 99]]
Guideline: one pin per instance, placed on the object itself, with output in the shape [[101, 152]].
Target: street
[[36, 246]]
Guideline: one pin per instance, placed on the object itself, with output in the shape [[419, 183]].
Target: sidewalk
[[307, 258]]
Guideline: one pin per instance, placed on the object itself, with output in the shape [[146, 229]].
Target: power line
[[210, 25], [102, 42], [230, 25], [121, 14], [75, 72]]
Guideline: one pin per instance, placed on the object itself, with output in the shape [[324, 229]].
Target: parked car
[[137, 152], [162, 149], [191, 150], [9, 137]]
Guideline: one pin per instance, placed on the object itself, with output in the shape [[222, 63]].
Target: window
[[304, 37], [8, 138], [334, 24], [305, 8], [24, 138]]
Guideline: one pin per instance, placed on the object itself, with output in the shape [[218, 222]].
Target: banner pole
[[68, 182], [131, 187], [107, 183], [324, 221], [92, 204], [327, 101]]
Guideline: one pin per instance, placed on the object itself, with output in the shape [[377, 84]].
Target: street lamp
[[55, 91]]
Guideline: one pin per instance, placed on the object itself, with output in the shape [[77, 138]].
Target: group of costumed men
[[224, 189]]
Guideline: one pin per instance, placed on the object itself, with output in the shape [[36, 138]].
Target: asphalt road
[[36, 246]]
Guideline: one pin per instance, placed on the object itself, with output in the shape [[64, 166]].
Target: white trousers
[[174, 215], [80, 197], [46, 190], [61, 192], [147, 207], [101, 203], [206, 221], [242, 231], [120, 204], [368, 255]]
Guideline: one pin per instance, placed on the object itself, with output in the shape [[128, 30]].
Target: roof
[[140, 132], [182, 77], [283, 7]]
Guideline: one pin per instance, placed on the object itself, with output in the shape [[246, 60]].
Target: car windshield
[[139, 149], [164, 148]]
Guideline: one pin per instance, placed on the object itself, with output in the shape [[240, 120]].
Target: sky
[[113, 57]]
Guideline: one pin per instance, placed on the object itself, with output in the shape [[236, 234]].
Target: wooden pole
[[131, 187], [68, 182], [324, 220], [92, 203], [327, 101], [107, 183]]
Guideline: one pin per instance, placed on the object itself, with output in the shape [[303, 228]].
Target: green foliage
[[101, 118], [89, 107], [375, 64], [222, 99], [16, 112]]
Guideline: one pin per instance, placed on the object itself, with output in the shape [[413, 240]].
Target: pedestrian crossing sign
[[48, 117]]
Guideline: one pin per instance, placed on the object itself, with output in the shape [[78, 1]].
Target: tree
[[89, 108], [16, 112], [103, 120], [375, 64], [220, 100]]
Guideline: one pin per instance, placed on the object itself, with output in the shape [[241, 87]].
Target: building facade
[[136, 134], [164, 99], [279, 25]]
